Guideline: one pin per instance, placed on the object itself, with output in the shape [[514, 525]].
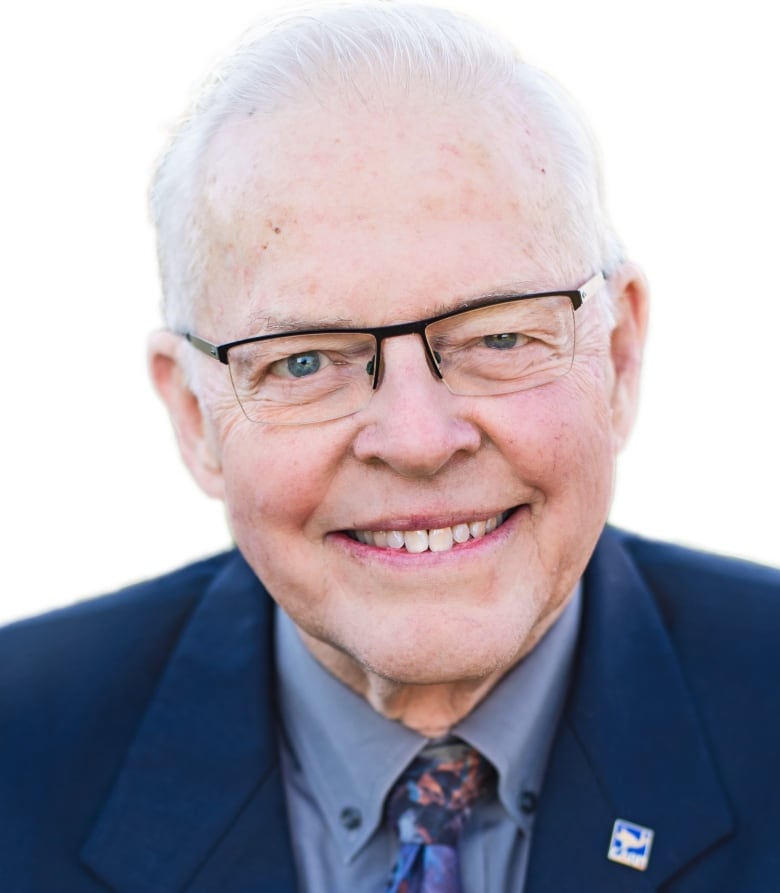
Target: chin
[[441, 662], [452, 649]]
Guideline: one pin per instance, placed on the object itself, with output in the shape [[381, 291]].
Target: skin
[[346, 216]]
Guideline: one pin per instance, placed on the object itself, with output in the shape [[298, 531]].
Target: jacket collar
[[199, 801], [630, 746]]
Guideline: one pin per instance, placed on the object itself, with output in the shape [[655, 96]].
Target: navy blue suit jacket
[[138, 752]]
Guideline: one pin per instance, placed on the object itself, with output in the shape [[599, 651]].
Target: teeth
[[477, 529], [416, 540], [395, 539], [461, 533], [440, 539]]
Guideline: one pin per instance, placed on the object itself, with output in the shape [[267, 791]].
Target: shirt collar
[[350, 756], [515, 724]]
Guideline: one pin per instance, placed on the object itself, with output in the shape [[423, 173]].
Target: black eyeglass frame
[[577, 296]]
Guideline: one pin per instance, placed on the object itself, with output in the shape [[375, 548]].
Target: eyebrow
[[265, 323], [271, 324], [520, 290]]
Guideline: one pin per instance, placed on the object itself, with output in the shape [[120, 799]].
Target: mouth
[[438, 539]]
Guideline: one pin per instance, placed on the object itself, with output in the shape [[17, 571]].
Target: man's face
[[354, 219]]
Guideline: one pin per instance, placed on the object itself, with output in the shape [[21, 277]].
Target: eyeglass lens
[[496, 349]]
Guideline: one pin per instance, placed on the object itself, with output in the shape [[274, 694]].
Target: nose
[[413, 423]]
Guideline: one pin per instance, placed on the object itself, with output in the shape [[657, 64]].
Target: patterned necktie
[[429, 805]]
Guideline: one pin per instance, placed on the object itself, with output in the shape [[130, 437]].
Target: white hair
[[368, 50]]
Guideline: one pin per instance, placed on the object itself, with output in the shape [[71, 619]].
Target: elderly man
[[403, 348]]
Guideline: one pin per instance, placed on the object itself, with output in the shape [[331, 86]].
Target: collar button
[[351, 818], [528, 802]]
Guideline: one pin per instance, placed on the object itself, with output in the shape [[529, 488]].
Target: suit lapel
[[630, 746], [199, 803]]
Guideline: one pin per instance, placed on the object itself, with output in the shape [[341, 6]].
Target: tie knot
[[431, 800]]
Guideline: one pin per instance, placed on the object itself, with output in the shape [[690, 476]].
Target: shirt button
[[351, 818], [528, 802]]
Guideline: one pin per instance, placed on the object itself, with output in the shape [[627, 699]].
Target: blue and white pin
[[630, 844]]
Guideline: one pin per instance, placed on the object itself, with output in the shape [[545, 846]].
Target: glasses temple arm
[[211, 350]]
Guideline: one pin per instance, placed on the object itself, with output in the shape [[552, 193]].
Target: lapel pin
[[630, 844]]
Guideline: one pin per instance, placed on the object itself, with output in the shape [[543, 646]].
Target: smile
[[440, 539]]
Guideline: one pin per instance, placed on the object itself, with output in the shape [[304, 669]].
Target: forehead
[[369, 217]]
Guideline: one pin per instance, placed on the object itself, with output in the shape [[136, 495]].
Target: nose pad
[[433, 357], [375, 366]]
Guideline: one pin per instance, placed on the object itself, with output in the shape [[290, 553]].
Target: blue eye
[[303, 364], [502, 341]]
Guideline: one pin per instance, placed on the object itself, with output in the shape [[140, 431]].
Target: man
[[403, 348]]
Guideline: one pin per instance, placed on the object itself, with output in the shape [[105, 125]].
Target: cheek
[[266, 485], [559, 440], [274, 481]]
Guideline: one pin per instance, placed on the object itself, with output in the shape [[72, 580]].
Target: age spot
[[449, 147]]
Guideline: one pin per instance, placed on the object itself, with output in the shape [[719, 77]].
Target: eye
[[300, 365], [502, 340]]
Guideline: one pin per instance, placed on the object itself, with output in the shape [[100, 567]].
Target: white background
[[684, 97]]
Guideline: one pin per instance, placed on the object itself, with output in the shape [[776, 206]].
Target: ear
[[196, 438], [630, 300]]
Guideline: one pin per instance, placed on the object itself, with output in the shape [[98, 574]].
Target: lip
[[431, 522], [400, 558]]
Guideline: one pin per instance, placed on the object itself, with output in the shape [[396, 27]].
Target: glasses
[[508, 344]]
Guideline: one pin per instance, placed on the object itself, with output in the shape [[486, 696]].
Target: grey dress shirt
[[340, 758]]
